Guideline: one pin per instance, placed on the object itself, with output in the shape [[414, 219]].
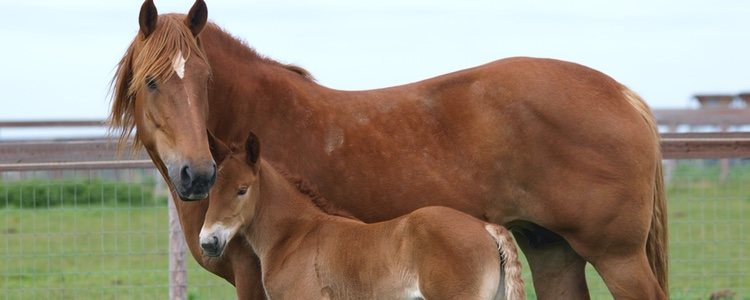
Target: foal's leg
[[558, 272]]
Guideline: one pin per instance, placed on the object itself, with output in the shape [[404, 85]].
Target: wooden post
[[670, 164], [724, 162], [718, 101], [177, 253]]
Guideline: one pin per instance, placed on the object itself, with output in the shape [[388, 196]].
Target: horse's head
[[161, 89], [234, 197]]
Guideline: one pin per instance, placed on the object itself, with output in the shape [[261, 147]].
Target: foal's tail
[[514, 288], [656, 244]]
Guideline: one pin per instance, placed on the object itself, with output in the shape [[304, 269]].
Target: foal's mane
[[153, 61], [309, 190]]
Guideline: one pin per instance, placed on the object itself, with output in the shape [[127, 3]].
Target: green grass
[[93, 252], [118, 249]]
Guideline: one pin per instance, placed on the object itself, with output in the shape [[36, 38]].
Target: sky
[[58, 57]]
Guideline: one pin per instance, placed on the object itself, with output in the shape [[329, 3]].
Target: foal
[[431, 253]]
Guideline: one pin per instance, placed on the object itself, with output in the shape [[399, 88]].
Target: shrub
[[77, 192]]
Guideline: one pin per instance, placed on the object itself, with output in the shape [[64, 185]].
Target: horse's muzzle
[[193, 183]]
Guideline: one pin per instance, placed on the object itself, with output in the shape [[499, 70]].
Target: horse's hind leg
[[628, 276], [558, 271]]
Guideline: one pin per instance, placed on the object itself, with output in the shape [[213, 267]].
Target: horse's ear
[[197, 17], [253, 149], [147, 18], [219, 150]]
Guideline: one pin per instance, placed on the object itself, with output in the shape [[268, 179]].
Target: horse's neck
[[283, 214], [248, 91]]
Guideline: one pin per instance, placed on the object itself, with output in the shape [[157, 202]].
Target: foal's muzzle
[[211, 247], [214, 241]]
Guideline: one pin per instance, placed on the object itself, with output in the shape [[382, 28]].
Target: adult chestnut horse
[[565, 156]]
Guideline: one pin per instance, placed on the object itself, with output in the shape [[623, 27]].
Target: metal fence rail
[[674, 146]]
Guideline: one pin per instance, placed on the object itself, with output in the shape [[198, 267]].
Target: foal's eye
[[151, 83], [242, 191]]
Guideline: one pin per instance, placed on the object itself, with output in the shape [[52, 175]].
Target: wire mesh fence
[[103, 234], [709, 242], [709, 245], [90, 234]]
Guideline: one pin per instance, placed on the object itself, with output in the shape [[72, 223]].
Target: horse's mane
[[228, 40], [308, 189], [154, 62]]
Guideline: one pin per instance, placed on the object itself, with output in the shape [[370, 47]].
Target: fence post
[[177, 253]]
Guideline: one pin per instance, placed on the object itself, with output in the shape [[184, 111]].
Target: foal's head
[[161, 88], [233, 198]]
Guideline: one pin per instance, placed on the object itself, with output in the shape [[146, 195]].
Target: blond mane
[[148, 58]]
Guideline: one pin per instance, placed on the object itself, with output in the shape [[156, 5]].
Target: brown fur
[[557, 150], [657, 244], [305, 253], [308, 189]]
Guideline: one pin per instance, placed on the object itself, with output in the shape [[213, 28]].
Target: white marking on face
[[414, 293], [218, 230], [178, 64]]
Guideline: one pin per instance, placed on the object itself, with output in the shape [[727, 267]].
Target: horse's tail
[[514, 288], [656, 244]]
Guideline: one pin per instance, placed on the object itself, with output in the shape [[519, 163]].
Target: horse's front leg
[[246, 267]]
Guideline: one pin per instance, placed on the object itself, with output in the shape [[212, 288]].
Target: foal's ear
[[253, 149], [197, 17], [219, 150], [147, 18]]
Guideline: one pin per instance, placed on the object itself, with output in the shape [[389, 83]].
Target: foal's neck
[[283, 215]]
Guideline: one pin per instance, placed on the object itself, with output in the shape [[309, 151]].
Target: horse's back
[[539, 131]]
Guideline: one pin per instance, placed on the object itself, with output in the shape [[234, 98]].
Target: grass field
[[93, 253], [118, 250]]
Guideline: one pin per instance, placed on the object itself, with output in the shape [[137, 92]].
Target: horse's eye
[[242, 191], [151, 83]]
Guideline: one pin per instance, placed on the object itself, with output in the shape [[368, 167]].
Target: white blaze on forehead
[[178, 64]]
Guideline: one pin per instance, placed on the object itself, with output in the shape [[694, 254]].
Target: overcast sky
[[57, 57]]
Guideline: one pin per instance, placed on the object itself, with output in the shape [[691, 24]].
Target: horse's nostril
[[186, 175]]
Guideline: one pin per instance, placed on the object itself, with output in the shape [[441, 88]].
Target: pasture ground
[[119, 251]]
